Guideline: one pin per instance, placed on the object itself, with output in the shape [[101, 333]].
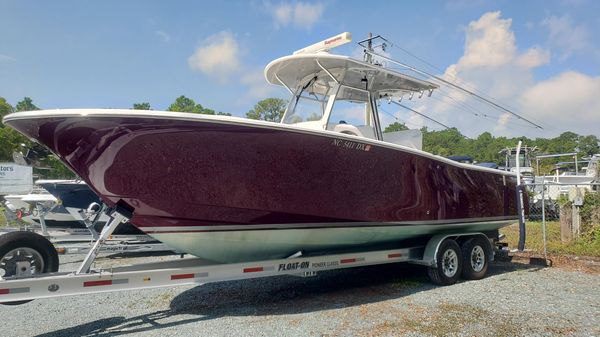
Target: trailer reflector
[[253, 269], [352, 260], [181, 276], [97, 283], [394, 255], [105, 282], [20, 290]]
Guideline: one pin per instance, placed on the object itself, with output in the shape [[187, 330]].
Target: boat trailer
[[444, 255]]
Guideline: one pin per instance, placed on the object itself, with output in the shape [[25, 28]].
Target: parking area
[[397, 299]]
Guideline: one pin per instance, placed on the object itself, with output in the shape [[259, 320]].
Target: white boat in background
[[525, 169], [564, 178], [27, 207]]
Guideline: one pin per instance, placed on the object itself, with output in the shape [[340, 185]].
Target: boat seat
[[347, 129]]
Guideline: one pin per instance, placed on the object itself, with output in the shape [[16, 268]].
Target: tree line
[[483, 148]]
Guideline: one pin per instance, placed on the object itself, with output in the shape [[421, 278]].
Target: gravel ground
[[515, 299]]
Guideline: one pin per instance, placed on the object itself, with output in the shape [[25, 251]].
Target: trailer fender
[[433, 245]]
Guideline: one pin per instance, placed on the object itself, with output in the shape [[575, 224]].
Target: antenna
[[327, 44]]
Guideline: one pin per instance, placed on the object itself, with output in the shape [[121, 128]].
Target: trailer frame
[[188, 271]]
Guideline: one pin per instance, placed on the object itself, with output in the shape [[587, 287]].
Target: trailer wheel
[[476, 258], [448, 264], [24, 254]]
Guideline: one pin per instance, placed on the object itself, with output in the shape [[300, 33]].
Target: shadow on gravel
[[279, 296], [329, 290], [116, 326]]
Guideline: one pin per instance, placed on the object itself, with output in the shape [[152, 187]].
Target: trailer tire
[[42, 254], [476, 257], [448, 264]]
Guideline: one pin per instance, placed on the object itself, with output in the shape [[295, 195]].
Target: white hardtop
[[295, 70]]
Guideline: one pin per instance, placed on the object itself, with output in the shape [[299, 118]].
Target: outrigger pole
[[421, 114], [370, 52]]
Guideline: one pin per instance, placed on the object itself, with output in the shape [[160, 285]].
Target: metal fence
[[568, 207]]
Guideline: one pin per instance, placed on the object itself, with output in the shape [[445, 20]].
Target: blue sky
[[540, 57]]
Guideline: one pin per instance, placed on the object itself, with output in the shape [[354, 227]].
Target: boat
[[324, 179], [568, 175], [76, 198], [520, 159], [27, 208]]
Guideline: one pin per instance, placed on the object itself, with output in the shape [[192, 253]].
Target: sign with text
[[15, 179]]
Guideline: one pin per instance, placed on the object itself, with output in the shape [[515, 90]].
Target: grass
[[450, 319], [2, 218], [587, 245]]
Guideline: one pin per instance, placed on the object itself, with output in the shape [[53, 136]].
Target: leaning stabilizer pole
[[520, 208], [106, 232]]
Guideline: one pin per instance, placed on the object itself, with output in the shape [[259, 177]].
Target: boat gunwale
[[232, 120]]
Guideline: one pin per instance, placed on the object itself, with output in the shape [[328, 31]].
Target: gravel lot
[[516, 299]]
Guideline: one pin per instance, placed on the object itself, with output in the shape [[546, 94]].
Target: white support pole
[[544, 219], [519, 196], [106, 232], [41, 215]]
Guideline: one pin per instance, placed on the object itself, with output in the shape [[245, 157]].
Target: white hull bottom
[[253, 245]]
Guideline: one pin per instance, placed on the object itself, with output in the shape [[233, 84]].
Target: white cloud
[[283, 14], [534, 57], [164, 36], [570, 100], [300, 15], [566, 36], [493, 65], [218, 56], [257, 85], [489, 42], [6, 58]]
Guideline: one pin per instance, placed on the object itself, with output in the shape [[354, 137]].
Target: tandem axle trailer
[[28, 266]]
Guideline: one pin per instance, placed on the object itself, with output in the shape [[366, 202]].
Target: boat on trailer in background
[[324, 181]]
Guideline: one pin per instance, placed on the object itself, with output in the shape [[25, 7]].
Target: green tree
[[57, 169], [10, 139], [184, 104], [26, 105], [588, 145], [269, 109], [397, 126], [5, 108], [141, 106]]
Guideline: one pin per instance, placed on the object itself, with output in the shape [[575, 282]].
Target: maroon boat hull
[[210, 173]]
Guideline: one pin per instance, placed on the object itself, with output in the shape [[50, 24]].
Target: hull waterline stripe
[[231, 228]]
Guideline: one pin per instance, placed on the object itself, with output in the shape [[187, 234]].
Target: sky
[[540, 59]]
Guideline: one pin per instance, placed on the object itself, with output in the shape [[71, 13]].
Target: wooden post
[[566, 224]]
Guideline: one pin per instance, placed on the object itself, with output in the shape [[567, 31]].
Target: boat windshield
[[307, 107], [523, 160]]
